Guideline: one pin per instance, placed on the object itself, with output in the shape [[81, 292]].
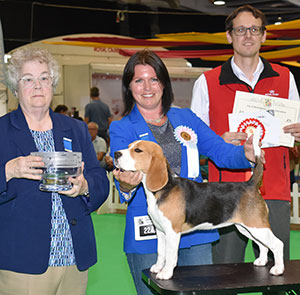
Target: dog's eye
[[137, 150]]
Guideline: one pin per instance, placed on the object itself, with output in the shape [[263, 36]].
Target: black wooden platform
[[226, 279]]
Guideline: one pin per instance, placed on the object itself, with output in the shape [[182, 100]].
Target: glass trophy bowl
[[59, 166]]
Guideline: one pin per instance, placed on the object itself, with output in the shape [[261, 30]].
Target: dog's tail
[[259, 166]]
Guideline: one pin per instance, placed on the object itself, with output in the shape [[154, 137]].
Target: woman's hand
[[80, 185], [234, 137], [24, 167], [128, 179]]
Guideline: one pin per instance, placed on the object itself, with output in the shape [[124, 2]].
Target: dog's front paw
[[155, 268], [164, 274], [277, 270], [260, 262]]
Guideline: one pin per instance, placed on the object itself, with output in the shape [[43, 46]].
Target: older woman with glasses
[[47, 238]]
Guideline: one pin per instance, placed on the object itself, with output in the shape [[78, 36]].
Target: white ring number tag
[[144, 228]]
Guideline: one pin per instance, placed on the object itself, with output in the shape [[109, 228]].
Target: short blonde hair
[[22, 55]]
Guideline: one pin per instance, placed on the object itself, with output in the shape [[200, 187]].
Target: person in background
[[75, 114], [62, 109], [107, 162], [97, 111], [213, 99], [148, 115], [98, 142], [100, 147], [47, 238]]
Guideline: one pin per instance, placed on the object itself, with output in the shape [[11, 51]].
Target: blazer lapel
[[140, 126], [61, 130], [21, 134], [23, 139]]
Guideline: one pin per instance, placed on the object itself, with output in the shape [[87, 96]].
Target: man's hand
[[293, 129]]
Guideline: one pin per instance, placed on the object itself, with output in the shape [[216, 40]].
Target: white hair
[[20, 56]]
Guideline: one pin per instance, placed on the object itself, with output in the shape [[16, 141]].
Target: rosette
[[189, 139], [249, 126]]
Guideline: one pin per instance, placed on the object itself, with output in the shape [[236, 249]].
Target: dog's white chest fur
[[159, 220]]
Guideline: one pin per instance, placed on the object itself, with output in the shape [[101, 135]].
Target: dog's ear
[[157, 176]]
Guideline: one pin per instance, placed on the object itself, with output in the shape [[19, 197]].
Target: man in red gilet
[[213, 99]]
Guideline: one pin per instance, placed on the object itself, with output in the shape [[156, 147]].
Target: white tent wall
[[76, 87], [110, 91], [83, 67]]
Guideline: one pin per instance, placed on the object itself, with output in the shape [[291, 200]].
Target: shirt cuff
[[128, 195]]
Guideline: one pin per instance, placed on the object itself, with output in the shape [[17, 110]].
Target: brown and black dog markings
[[177, 206]]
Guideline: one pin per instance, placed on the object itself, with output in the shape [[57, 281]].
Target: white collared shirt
[[240, 74]]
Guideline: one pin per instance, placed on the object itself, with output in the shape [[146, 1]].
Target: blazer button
[[73, 222]]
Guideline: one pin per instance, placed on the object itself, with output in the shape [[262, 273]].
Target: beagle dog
[[177, 205]]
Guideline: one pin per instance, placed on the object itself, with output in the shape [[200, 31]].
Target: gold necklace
[[155, 120]]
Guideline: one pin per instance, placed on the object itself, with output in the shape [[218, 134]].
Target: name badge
[[144, 228], [67, 144]]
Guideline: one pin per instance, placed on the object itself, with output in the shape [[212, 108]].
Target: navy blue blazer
[[25, 211]]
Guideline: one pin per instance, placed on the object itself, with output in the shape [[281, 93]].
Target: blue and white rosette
[[189, 139]]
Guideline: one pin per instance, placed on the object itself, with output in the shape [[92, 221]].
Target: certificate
[[285, 110]]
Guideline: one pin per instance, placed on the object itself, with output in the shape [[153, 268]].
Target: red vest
[[222, 85]]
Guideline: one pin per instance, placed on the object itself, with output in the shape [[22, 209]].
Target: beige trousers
[[64, 280]]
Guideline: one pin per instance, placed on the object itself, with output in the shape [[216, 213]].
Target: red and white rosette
[[249, 126], [189, 139]]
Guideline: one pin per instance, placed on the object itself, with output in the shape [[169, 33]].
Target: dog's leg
[[161, 252], [262, 260], [276, 247], [172, 245], [265, 239]]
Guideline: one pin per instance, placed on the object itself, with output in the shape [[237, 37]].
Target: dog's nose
[[117, 155]]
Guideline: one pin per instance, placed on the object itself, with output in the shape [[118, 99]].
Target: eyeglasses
[[30, 81], [241, 31]]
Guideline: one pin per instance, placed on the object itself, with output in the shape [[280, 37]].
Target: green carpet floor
[[111, 275]]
